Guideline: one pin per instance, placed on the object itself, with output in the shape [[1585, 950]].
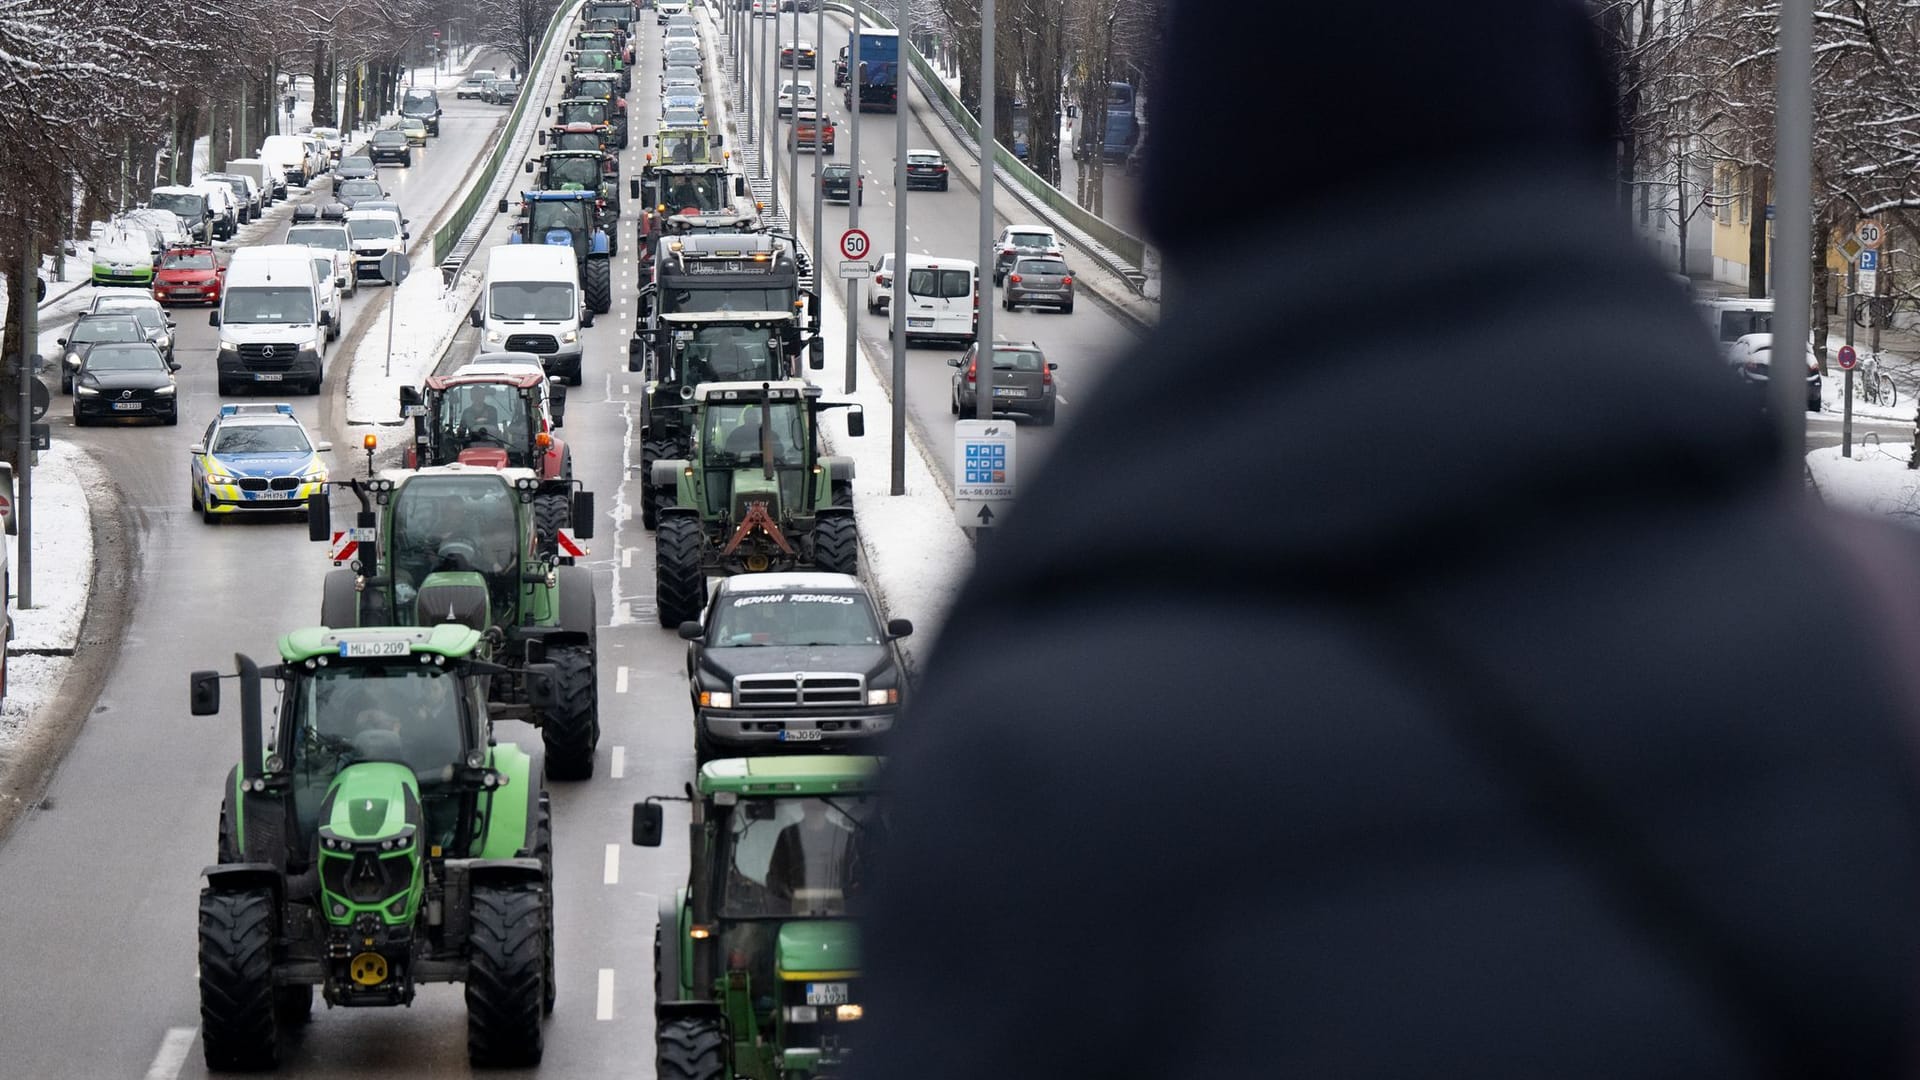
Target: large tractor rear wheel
[[836, 545], [239, 1029], [691, 1050], [652, 450], [597, 283], [506, 965], [551, 513], [679, 585], [543, 850], [572, 729]]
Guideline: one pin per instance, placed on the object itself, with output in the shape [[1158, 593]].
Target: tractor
[[497, 419], [598, 112], [602, 62], [606, 35], [679, 352], [582, 136], [681, 199], [686, 146], [585, 170], [602, 86], [460, 543], [570, 218], [377, 838], [755, 495], [757, 960]]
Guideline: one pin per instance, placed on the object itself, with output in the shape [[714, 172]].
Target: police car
[[256, 457]]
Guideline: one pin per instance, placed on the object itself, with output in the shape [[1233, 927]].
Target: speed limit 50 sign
[[854, 244], [1870, 234]]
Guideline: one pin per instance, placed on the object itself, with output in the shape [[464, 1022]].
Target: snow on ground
[[62, 550], [1875, 480], [425, 318]]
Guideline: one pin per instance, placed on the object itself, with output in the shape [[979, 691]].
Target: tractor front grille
[[800, 690], [533, 343]]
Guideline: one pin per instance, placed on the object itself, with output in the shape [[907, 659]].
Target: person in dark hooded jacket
[[1410, 695]]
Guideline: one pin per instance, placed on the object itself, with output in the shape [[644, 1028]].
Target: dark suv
[[422, 104], [1022, 380], [926, 169], [836, 183], [792, 662], [389, 144]]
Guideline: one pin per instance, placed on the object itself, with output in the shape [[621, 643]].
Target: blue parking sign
[[1869, 260]]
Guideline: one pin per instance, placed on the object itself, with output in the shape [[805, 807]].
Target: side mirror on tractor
[[857, 423], [409, 397], [633, 187], [740, 186], [899, 628], [649, 821], [319, 519], [583, 514], [205, 692], [529, 168]]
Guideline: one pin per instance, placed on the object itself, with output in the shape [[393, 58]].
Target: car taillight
[[1015, 278], [971, 366], [1046, 375], [1068, 280]]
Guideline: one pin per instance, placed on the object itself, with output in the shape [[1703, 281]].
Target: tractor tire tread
[[836, 545], [504, 971], [691, 1050], [571, 732], [238, 1026], [680, 588]]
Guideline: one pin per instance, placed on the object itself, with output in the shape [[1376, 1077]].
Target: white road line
[[604, 1011], [612, 874], [626, 558], [172, 1054], [620, 680], [619, 766], [626, 389]]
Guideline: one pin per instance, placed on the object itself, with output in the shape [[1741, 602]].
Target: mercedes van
[[272, 326], [531, 302]]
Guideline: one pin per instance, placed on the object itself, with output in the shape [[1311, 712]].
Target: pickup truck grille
[[829, 689]]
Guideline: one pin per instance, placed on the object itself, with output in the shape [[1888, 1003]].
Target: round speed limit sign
[[854, 244], [1870, 234]]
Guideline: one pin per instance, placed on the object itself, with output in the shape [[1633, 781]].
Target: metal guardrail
[[1124, 253], [455, 242]]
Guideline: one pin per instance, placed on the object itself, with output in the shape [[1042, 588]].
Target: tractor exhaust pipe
[[252, 752], [703, 948], [766, 430]]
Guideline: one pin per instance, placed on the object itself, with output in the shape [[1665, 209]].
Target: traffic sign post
[[1848, 361], [394, 270], [983, 471]]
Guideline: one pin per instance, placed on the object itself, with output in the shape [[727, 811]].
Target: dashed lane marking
[[172, 1055], [604, 1009], [626, 558], [620, 680], [619, 766], [612, 874]]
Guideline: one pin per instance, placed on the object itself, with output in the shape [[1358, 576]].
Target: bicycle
[[1872, 311], [1874, 384]]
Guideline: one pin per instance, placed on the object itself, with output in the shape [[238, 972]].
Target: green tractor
[[462, 544], [378, 838], [756, 961], [678, 352], [585, 170], [754, 496]]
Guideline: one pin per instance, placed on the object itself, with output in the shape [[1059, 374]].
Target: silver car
[[1039, 281]]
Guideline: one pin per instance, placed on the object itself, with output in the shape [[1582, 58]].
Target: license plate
[[919, 322], [826, 993], [803, 735], [266, 376], [126, 406], [1009, 391], [363, 649], [271, 495]]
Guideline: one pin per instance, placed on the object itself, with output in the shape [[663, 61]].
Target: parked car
[[390, 145], [926, 169], [1020, 241], [1022, 381], [793, 662], [475, 83], [330, 137], [245, 190], [1039, 279], [1751, 357], [122, 380], [123, 253], [223, 204]]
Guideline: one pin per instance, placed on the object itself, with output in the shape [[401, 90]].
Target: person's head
[[1490, 82], [371, 718]]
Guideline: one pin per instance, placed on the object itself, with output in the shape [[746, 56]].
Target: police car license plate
[[827, 993], [126, 406], [266, 376], [270, 495], [801, 735], [359, 649]]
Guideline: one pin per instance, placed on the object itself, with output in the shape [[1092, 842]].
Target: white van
[[272, 182], [272, 326], [1734, 317], [943, 299], [326, 278], [330, 236], [530, 302], [289, 156]]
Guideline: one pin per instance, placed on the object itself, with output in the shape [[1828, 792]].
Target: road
[[947, 223]]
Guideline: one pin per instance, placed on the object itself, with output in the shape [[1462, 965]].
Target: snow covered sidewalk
[[45, 635]]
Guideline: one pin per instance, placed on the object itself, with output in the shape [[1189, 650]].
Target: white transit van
[[272, 326], [288, 154], [943, 299], [531, 303], [272, 182], [326, 279]]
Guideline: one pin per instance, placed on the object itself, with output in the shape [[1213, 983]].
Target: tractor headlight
[[803, 1014], [716, 699], [883, 697], [848, 1012]]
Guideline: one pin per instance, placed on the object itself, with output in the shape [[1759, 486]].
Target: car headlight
[[883, 697], [86, 391], [164, 391], [494, 337], [569, 337], [229, 346], [716, 699]]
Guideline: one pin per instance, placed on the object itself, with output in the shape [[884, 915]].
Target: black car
[[422, 104], [836, 183], [792, 662], [926, 169], [90, 330], [356, 167], [390, 144], [125, 380]]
